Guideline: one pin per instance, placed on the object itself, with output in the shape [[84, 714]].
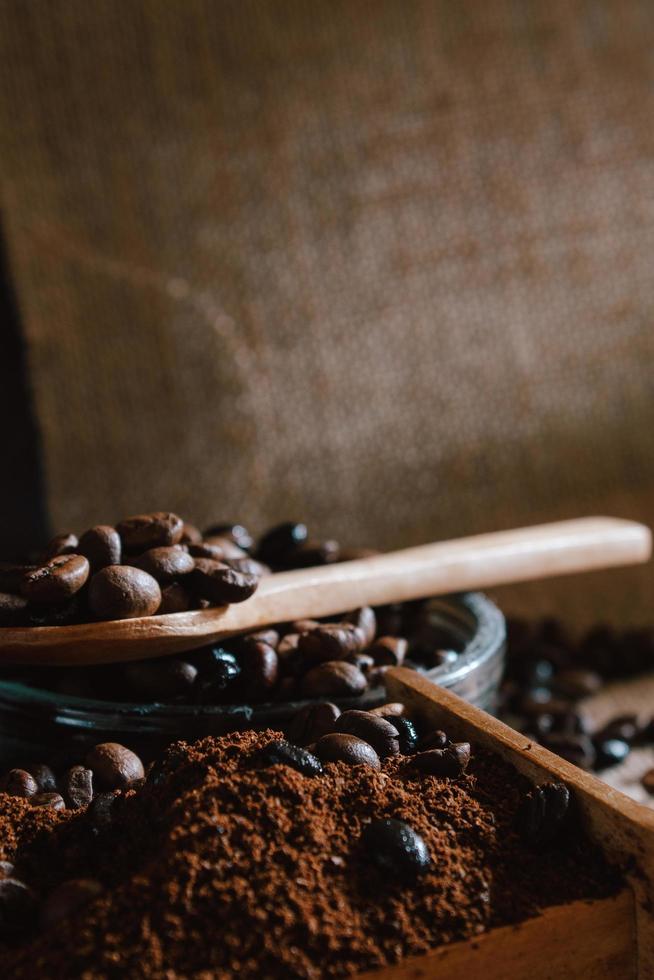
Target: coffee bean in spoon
[[175, 598], [166, 564], [144, 531], [102, 546], [123, 592], [221, 584], [396, 849], [57, 580]]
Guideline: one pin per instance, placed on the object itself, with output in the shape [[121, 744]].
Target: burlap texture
[[387, 265]]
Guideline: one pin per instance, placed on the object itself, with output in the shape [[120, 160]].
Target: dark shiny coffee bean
[[312, 722], [100, 813], [434, 740], [577, 749], [408, 736], [331, 641], [18, 907], [260, 668], [543, 813], [174, 599], [166, 564], [236, 532], [13, 609], [206, 550], [281, 753], [374, 730], [577, 683], [279, 544], [389, 651], [78, 787], [396, 849], [45, 777], [333, 679], [218, 671], [101, 545], [62, 544], [311, 554], [123, 592], [145, 531], [221, 584], [347, 748], [51, 801], [12, 575], [57, 580], [163, 679], [365, 620], [449, 762], [623, 727], [67, 899], [6, 869], [114, 766], [610, 752], [19, 782]]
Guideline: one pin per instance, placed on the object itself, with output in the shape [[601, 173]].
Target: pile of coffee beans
[[550, 673]]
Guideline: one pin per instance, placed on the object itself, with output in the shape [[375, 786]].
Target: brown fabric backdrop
[[385, 264]]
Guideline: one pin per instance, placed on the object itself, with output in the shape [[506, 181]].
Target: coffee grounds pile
[[216, 867]]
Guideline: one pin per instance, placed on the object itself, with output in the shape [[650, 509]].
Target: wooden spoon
[[431, 569]]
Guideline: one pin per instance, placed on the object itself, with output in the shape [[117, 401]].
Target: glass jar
[[42, 725]]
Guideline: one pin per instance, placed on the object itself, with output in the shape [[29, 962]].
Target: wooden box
[[612, 938]]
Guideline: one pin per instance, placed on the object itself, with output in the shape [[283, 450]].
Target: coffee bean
[[624, 727], [78, 787], [62, 544], [396, 849], [577, 684], [52, 801], [362, 661], [19, 782], [280, 543], [335, 678], [347, 748], [144, 531], [376, 677], [6, 869], [166, 564], [365, 620], [281, 753], [610, 752], [13, 609], [648, 781], [190, 534], [68, 898], [543, 813], [57, 580], [268, 636], [236, 532], [174, 599], [163, 679], [577, 749], [376, 731], [45, 777], [311, 554], [206, 550], [218, 671], [303, 625], [123, 592], [101, 545], [389, 651], [449, 762], [434, 740], [408, 736], [331, 641], [312, 722], [100, 813], [114, 766], [260, 667], [227, 548], [389, 710], [12, 575], [221, 584], [18, 907]]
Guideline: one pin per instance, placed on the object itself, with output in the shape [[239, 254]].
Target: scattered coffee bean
[[53, 801], [236, 532], [57, 580], [434, 740], [331, 641], [166, 564], [45, 777], [333, 679], [260, 665], [542, 813], [18, 907], [78, 787], [160, 680], [378, 732], [365, 620], [68, 899], [145, 531], [101, 545], [114, 766], [219, 583], [280, 753], [347, 748], [451, 761], [312, 722], [174, 599], [312, 553], [19, 782], [100, 812], [218, 670], [389, 651], [363, 661], [396, 849], [123, 592]]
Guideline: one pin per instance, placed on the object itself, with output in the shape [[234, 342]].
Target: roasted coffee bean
[[166, 564], [53, 801], [281, 753], [364, 662], [376, 677], [260, 667], [190, 534], [542, 813], [303, 625], [218, 671], [18, 907], [19, 782], [566, 721], [648, 781], [67, 899], [389, 710], [114, 766], [451, 761], [144, 531], [100, 813], [330, 641], [376, 731], [57, 580], [365, 620], [268, 636], [227, 548], [101, 545], [13, 609], [78, 787], [623, 727], [610, 752], [577, 684], [206, 550], [174, 599], [279, 544], [123, 592], [406, 730], [45, 777], [336, 678], [62, 544], [577, 749], [236, 532], [160, 679], [12, 575], [248, 566], [347, 748], [6, 869], [312, 722], [389, 651], [396, 848], [221, 584]]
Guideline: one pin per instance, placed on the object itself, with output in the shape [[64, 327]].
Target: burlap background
[[386, 264]]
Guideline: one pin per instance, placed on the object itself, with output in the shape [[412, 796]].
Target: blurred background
[[383, 266]]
